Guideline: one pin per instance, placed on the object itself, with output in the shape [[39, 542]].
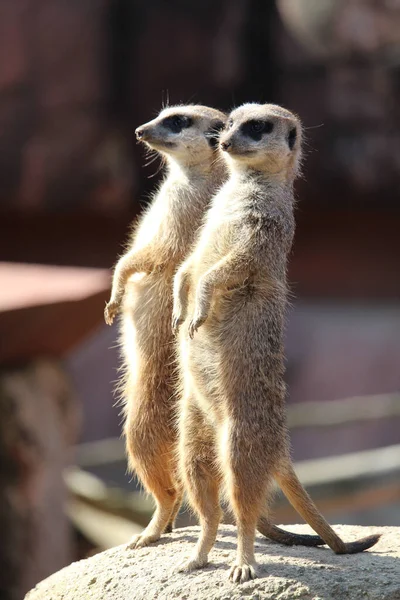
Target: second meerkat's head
[[187, 134], [265, 137]]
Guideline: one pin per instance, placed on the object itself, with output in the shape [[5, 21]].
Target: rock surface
[[284, 573]]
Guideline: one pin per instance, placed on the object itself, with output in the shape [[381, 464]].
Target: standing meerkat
[[232, 293], [186, 137], [142, 282]]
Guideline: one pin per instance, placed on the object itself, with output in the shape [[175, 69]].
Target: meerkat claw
[[242, 573], [110, 311], [176, 323], [194, 325]]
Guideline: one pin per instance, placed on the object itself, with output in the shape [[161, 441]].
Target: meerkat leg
[[247, 486], [203, 493], [202, 483], [154, 467], [171, 524], [161, 486]]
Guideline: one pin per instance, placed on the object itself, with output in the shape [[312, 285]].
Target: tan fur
[[143, 281], [142, 285], [232, 293]]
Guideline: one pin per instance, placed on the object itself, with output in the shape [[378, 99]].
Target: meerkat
[[186, 137], [141, 288], [231, 293]]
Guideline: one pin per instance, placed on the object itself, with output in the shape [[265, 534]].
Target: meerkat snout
[[225, 146], [139, 133]]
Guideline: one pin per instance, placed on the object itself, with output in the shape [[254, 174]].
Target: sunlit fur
[[231, 293], [272, 153], [142, 286], [158, 244]]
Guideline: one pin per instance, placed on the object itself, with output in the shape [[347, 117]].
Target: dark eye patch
[[212, 134], [175, 123], [256, 128], [292, 137]]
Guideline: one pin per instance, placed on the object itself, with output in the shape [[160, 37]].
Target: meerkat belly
[[146, 334], [202, 369], [245, 335]]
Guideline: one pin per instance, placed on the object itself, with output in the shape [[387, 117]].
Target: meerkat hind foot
[[191, 564], [142, 540], [243, 572]]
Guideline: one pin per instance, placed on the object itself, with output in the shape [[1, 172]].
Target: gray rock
[[284, 573]]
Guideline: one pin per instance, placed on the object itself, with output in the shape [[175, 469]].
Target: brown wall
[[77, 77]]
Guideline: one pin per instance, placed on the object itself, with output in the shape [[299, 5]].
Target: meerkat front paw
[[177, 321], [243, 572], [195, 323], [178, 316], [110, 312]]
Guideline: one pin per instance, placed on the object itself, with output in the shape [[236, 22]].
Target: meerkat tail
[[287, 538], [301, 501]]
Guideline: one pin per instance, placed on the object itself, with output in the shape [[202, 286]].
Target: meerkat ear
[[212, 134], [292, 136]]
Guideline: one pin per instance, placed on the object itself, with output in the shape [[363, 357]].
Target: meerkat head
[[264, 137], [186, 134]]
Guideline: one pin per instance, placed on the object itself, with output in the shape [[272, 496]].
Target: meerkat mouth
[[239, 153], [160, 145]]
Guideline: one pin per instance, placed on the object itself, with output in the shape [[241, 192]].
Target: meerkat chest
[[222, 230], [218, 237], [171, 220]]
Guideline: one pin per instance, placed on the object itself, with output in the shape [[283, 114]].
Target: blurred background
[[76, 79]]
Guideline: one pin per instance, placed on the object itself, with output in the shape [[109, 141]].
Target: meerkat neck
[[190, 170], [273, 181]]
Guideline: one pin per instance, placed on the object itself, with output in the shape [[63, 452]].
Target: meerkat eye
[[256, 128], [176, 123], [229, 124], [292, 137]]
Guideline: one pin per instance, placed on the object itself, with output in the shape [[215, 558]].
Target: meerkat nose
[[139, 133], [225, 146]]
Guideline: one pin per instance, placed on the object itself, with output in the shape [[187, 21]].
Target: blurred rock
[[38, 425]]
